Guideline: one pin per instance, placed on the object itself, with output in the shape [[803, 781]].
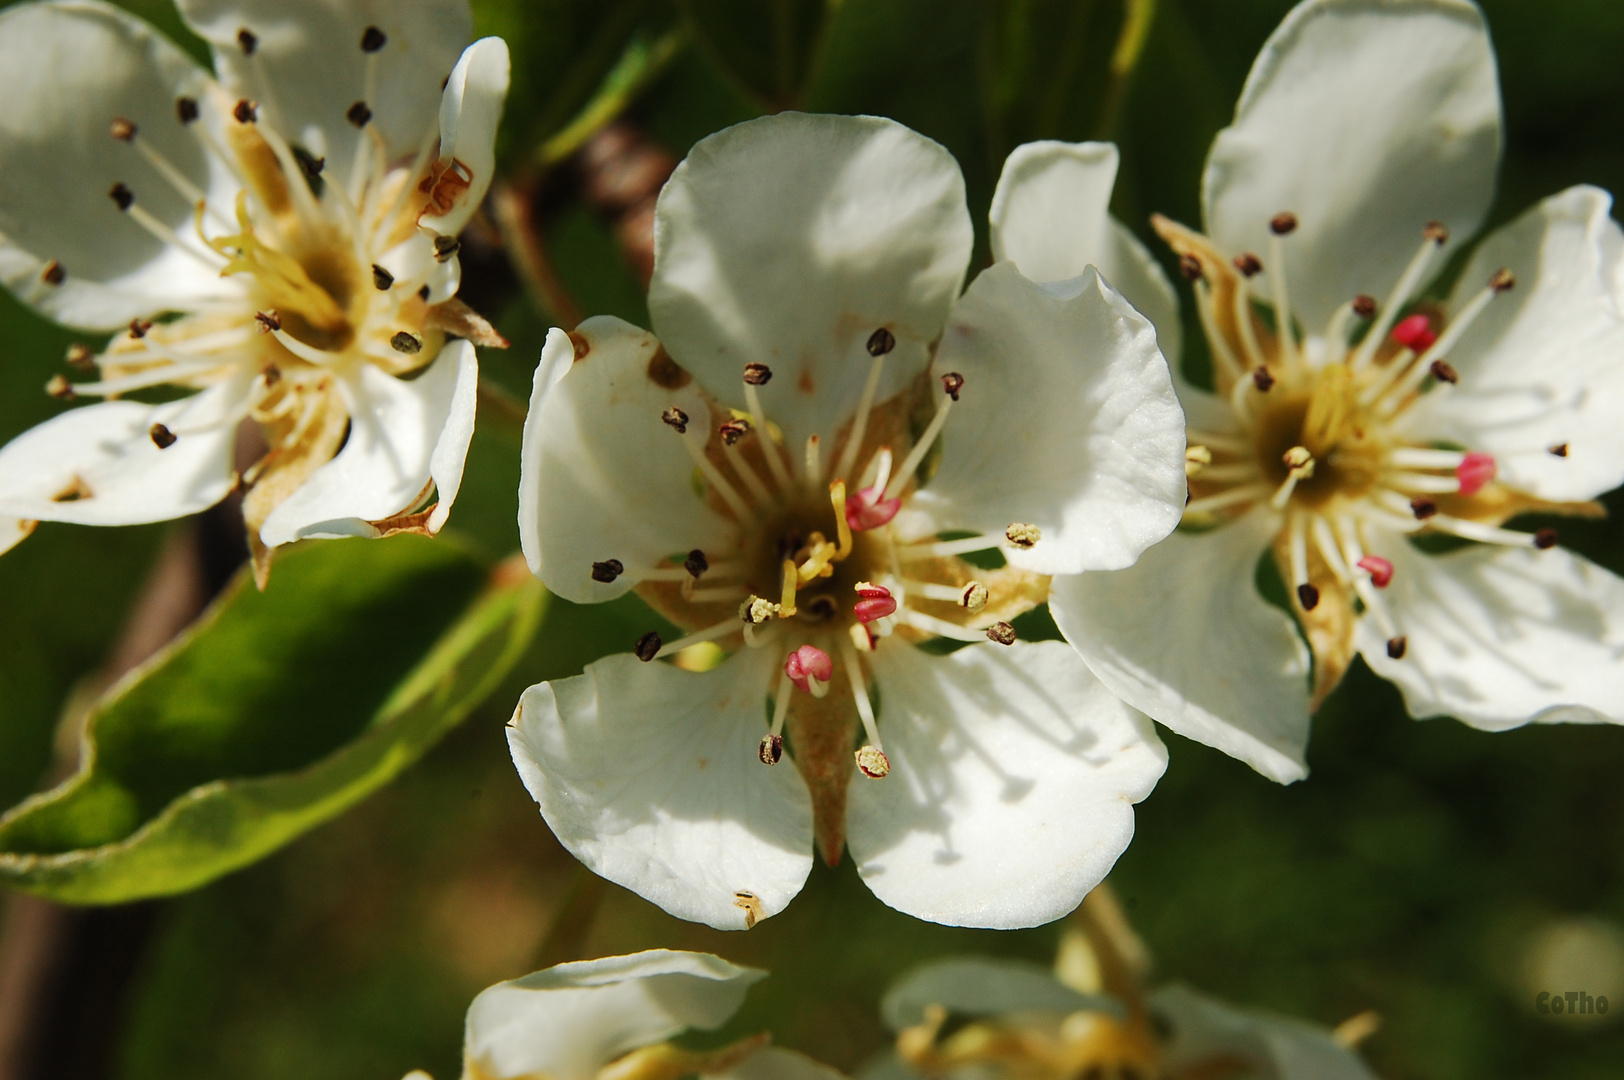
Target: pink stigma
[[1415, 333], [1380, 570], [876, 603], [1474, 471], [869, 509], [808, 662]]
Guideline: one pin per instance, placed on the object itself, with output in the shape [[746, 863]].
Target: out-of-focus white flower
[[1357, 408], [278, 238], [794, 469], [612, 1019]]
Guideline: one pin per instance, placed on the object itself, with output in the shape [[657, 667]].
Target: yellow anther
[[786, 607], [1196, 458], [1299, 461], [837, 496], [820, 553], [756, 611], [860, 638]]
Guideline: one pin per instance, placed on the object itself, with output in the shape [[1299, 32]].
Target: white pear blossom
[[612, 1019], [1095, 1015], [278, 238], [1388, 415], [793, 470]]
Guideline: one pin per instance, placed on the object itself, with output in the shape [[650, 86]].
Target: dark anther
[[1001, 633], [1503, 280], [608, 570], [952, 383], [1283, 223], [186, 109], [122, 196], [771, 750], [381, 278], [1545, 539], [248, 41], [358, 114], [1559, 450], [80, 358], [757, 374], [162, 437], [1190, 267], [139, 327], [733, 431], [1248, 264], [1364, 306], [245, 111], [60, 388], [373, 39], [408, 343], [1422, 508], [423, 293], [1262, 378], [123, 130], [445, 247], [53, 273], [881, 342], [268, 321], [648, 646], [1437, 232], [1444, 371], [1308, 596], [1396, 646], [696, 563], [272, 375], [677, 419]]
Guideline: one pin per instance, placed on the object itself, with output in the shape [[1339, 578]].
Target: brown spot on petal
[[664, 371]]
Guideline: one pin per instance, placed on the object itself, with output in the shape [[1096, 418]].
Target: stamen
[[80, 358], [1434, 236], [755, 611], [125, 130], [607, 570], [1241, 494], [1216, 441], [647, 647], [760, 375], [952, 383], [1559, 450], [710, 633], [871, 758], [1364, 306], [837, 498], [404, 341], [1196, 458], [60, 388], [876, 603], [1228, 472], [973, 597], [810, 668], [936, 549], [873, 762], [676, 418], [245, 111], [1190, 267], [696, 450], [373, 39], [696, 564], [1001, 633], [358, 114], [53, 274], [1248, 265], [1415, 333], [1423, 508], [1402, 385], [1353, 555], [186, 109], [869, 509], [1328, 549], [771, 749], [1209, 323], [1467, 529], [1396, 646], [1307, 594], [786, 606], [1301, 463], [814, 463], [1379, 569], [732, 432], [1421, 457], [940, 627], [878, 347], [1262, 378], [952, 594], [381, 278], [1022, 535], [1282, 224]]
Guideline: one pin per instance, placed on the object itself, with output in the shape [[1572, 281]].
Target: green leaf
[[275, 712]]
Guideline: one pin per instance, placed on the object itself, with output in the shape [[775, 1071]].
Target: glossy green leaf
[[274, 713]]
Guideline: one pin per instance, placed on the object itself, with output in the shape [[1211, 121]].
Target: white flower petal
[[776, 1063], [1049, 216], [1013, 774], [106, 453], [1541, 366], [1366, 119], [648, 774], [981, 986], [307, 68], [66, 72], [1067, 421], [14, 531], [568, 1021], [1185, 636], [602, 476], [1499, 637], [1206, 1029], [403, 435], [470, 111], [788, 241]]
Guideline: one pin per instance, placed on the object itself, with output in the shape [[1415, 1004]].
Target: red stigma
[[1415, 333], [869, 509], [1476, 470], [1380, 570], [808, 662], [876, 603]]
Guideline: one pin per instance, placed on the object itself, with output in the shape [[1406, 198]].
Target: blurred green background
[[1420, 872]]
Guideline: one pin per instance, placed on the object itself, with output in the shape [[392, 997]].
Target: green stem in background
[[566, 937], [638, 66], [1138, 15], [501, 413]]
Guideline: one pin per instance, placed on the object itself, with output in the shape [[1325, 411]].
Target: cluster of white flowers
[[832, 462]]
